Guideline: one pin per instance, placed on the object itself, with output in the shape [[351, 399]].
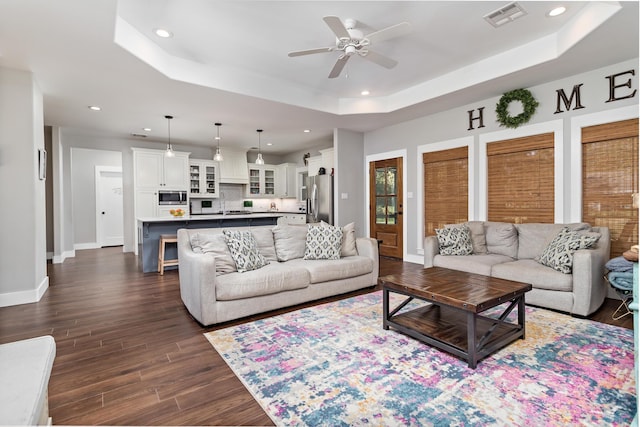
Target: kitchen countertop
[[215, 216]]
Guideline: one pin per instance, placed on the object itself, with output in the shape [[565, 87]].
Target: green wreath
[[528, 102]]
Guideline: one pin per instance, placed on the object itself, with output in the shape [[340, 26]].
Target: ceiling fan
[[351, 41]]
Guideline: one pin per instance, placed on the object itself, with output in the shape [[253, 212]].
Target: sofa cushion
[[559, 254], [502, 238], [215, 245], [290, 241], [270, 279], [266, 244], [335, 269], [323, 242], [479, 264], [454, 240], [244, 250], [533, 238], [539, 276]]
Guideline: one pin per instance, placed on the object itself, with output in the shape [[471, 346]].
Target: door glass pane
[[391, 180], [392, 210], [380, 181], [381, 210]]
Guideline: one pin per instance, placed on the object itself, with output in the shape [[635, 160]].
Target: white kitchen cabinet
[[286, 219], [286, 180], [154, 170], [324, 160], [262, 180], [233, 169], [146, 201], [204, 178]]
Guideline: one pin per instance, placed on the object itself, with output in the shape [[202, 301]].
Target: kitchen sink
[[234, 213]]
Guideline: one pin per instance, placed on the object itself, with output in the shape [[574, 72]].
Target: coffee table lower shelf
[[468, 335]]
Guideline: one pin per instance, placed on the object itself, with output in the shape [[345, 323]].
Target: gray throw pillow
[[289, 241], [244, 250], [454, 240], [323, 242], [559, 254], [215, 245]]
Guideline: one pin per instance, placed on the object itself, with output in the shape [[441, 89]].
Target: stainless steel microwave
[[172, 197]]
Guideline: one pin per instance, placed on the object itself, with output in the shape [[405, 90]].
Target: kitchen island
[[150, 229]]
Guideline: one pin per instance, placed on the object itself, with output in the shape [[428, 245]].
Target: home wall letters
[[617, 84]]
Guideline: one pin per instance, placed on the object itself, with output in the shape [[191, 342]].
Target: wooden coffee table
[[453, 321]]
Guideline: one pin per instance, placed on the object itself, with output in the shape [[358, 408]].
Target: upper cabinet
[[262, 180], [324, 160], [204, 178], [233, 169], [153, 169], [286, 180]]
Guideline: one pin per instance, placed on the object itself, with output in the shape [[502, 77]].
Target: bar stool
[[162, 263]]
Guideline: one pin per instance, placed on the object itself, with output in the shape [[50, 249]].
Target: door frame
[[98, 171], [385, 156]]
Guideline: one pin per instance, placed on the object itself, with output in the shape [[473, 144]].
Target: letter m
[[575, 95]]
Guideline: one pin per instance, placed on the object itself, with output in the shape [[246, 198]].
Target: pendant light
[[218, 156], [259, 159], [169, 152]]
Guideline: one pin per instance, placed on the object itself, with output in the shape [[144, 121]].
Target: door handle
[[102, 212]]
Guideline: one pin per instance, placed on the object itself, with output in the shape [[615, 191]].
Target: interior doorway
[[386, 206], [109, 208]]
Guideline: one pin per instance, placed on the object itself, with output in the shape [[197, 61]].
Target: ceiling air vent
[[505, 14], [139, 135]]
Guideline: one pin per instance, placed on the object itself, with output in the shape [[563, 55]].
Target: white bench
[[25, 368]]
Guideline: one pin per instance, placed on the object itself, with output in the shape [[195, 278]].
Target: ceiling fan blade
[[390, 32], [379, 59], [311, 51], [340, 63], [337, 27]]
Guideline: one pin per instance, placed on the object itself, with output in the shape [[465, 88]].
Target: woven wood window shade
[[520, 181], [446, 188], [609, 178]]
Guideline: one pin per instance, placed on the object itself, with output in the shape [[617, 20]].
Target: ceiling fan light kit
[[351, 41]]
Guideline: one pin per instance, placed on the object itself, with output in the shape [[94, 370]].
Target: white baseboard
[[25, 297], [91, 245], [59, 259], [416, 259]]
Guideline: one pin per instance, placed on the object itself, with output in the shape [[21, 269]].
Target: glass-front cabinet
[[262, 181], [203, 178]]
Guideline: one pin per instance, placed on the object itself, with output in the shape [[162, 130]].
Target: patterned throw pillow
[[559, 254], [244, 250], [454, 240], [323, 242]]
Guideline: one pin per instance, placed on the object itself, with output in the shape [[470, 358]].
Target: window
[[521, 179], [446, 188]]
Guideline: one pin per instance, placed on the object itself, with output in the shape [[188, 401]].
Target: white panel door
[[110, 217]]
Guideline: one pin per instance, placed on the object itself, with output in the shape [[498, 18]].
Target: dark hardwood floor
[[128, 353]]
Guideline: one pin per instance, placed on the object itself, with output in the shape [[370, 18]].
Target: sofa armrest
[[589, 288], [368, 247], [197, 273], [431, 249]]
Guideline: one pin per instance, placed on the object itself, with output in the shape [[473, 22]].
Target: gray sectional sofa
[[214, 291], [509, 251]]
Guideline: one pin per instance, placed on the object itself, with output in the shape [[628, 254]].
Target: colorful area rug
[[333, 365]]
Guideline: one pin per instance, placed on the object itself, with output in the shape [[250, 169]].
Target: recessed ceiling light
[[146, 129], [364, 93], [557, 11], [307, 130], [94, 108], [269, 144], [161, 32]]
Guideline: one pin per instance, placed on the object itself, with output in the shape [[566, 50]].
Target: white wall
[[449, 127], [349, 179], [23, 263]]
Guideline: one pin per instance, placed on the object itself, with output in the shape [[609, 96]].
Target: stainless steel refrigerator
[[320, 198]]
